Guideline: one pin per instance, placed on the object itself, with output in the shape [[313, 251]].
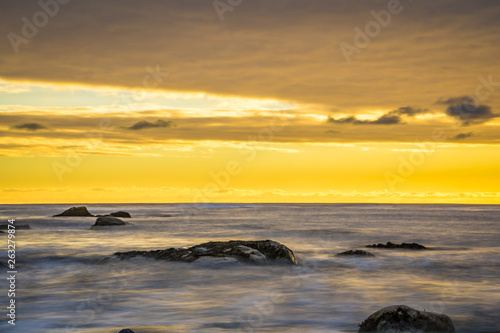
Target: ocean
[[63, 285]]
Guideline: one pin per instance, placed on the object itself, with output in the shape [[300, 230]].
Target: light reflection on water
[[63, 285]]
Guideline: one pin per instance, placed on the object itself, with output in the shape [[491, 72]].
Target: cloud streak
[[391, 118], [29, 127], [462, 136], [143, 124]]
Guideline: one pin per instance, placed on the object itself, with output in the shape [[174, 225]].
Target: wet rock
[[121, 214], [75, 211], [18, 227], [116, 214], [359, 253], [401, 318], [107, 221], [389, 245], [126, 330], [257, 252]]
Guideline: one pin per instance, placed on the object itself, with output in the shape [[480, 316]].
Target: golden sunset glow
[[170, 104]]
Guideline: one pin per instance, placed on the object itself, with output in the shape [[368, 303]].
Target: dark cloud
[[462, 136], [470, 114], [467, 110], [386, 119], [29, 126], [146, 124]]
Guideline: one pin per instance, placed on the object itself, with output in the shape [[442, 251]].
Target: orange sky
[[116, 101]]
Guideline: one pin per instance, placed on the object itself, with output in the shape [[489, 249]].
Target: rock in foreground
[[107, 221], [75, 211], [389, 245], [401, 318], [126, 330], [259, 252], [359, 253]]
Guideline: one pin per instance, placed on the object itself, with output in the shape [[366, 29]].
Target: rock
[[126, 330], [18, 227], [107, 221], [120, 214], [75, 211], [389, 245], [258, 252], [401, 318], [360, 253]]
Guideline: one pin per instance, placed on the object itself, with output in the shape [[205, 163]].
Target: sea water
[[64, 285]]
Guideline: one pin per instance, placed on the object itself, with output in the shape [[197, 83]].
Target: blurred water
[[61, 287]]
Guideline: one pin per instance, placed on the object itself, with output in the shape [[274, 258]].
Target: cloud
[[390, 118], [470, 114], [386, 119], [467, 110], [29, 126], [457, 100], [146, 124], [263, 49], [408, 111], [462, 136]]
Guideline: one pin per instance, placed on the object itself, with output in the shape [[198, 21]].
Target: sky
[[201, 101]]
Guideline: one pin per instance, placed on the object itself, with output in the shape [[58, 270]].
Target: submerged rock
[[401, 318], [107, 221], [360, 253], [259, 252], [75, 211], [389, 245]]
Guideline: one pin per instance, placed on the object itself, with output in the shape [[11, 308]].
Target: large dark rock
[[107, 221], [76, 211], [359, 253], [403, 319], [389, 245], [120, 214], [260, 252], [126, 330], [17, 227]]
